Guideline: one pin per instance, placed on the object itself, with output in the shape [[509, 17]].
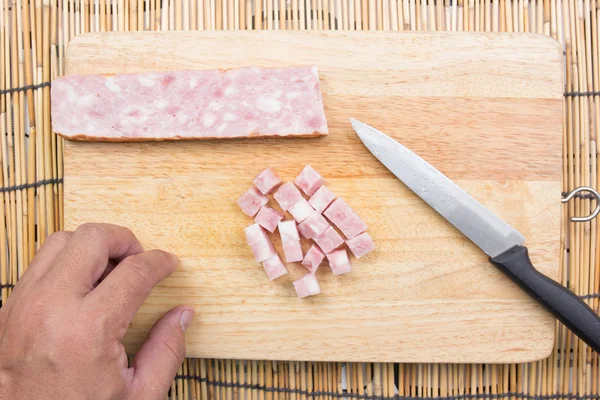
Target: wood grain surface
[[485, 109]]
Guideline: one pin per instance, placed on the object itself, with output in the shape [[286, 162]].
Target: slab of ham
[[307, 286], [196, 104]]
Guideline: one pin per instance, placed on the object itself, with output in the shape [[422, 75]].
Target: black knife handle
[[560, 301]]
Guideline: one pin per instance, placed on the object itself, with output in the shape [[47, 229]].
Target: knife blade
[[501, 242]]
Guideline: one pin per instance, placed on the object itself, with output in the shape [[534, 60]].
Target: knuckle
[[60, 236], [140, 268], [175, 349], [92, 230]]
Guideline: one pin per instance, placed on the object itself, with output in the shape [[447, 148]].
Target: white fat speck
[[145, 81], [278, 94], [292, 95], [86, 100], [272, 125], [208, 120], [193, 83], [230, 90], [222, 127], [233, 106], [111, 84], [245, 104], [229, 117], [268, 104], [160, 103], [214, 105], [314, 70], [183, 118], [71, 95]]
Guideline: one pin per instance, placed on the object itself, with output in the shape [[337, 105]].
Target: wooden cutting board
[[485, 109]]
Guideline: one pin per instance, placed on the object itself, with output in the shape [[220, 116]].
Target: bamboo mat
[[33, 39]]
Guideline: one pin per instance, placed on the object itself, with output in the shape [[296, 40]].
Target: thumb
[[157, 361]]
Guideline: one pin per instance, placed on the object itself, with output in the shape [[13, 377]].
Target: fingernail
[[186, 318]]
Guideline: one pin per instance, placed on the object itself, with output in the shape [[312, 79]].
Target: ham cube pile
[[321, 217]]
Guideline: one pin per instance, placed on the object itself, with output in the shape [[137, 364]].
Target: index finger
[[126, 288], [86, 256]]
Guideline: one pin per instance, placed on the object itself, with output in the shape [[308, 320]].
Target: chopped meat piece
[[247, 102], [309, 180], [338, 211], [251, 201], [352, 226], [313, 258], [301, 210], [321, 199], [268, 218], [329, 240], [339, 262], [259, 242], [288, 231], [267, 181], [287, 195], [255, 234], [292, 250], [274, 267], [313, 226], [262, 250], [307, 286], [361, 245]]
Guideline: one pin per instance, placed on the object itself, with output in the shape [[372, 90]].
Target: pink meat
[[301, 210], [252, 201], [309, 180], [338, 211], [361, 245], [267, 181], [259, 242], [274, 267], [313, 258], [339, 262], [292, 250], [268, 218], [321, 199], [352, 226], [312, 226], [329, 240], [307, 286], [288, 231], [287, 195], [194, 104]]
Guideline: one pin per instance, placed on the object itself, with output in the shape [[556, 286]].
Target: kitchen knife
[[501, 242]]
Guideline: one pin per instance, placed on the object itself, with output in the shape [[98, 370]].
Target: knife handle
[[560, 301]]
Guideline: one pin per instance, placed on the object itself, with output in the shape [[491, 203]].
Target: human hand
[[61, 328]]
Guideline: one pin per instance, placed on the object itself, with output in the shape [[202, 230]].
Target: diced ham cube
[[352, 226], [329, 240], [288, 231], [259, 242], [287, 195], [274, 267], [262, 250], [307, 286], [339, 262], [338, 211], [255, 234], [301, 210], [268, 218], [313, 258], [312, 226], [252, 201], [321, 199], [309, 180], [267, 181], [361, 245], [292, 250]]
